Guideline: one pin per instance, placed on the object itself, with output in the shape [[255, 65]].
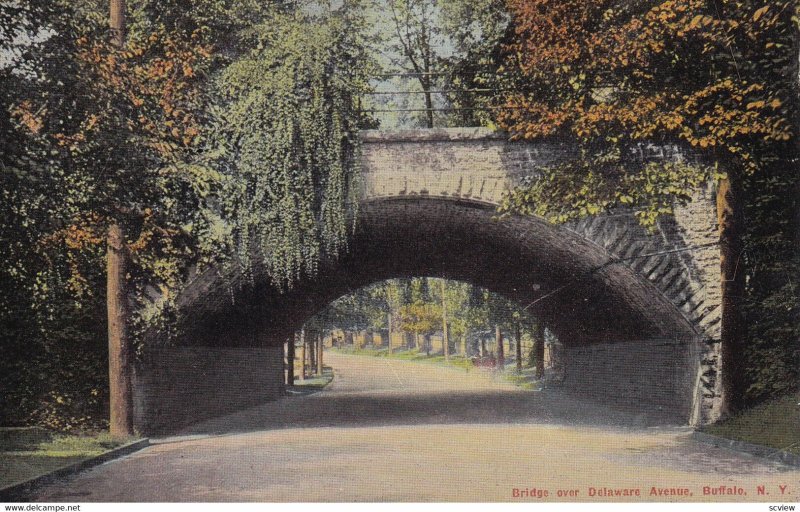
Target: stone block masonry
[[178, 386]]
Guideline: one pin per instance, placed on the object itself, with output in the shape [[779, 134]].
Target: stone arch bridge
[[638, 312]]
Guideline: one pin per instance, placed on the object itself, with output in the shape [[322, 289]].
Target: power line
[[384, 75], [442, 109], [441, 91]]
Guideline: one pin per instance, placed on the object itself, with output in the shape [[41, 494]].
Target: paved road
[[388, 430]]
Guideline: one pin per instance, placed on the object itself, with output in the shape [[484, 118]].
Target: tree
[[421, 318], [715, 77], [445, 337], [442, 47], [418, 36], [105, 137]]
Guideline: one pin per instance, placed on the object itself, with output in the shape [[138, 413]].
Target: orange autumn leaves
[[145, 100], [155, 80], [670, 70], [149, 88]]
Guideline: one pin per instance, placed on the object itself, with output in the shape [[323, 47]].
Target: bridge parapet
[[474, 164]]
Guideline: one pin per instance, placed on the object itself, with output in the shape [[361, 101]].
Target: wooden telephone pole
[[120, 369]]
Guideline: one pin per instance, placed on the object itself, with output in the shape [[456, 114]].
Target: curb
[[765, 452], [23, 490]]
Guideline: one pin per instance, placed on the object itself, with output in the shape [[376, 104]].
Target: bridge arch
[[633, 311]]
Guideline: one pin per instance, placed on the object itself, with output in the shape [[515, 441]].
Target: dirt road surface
[[389, 430]]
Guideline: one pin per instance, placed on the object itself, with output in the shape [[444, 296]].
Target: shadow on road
[[480, 407]]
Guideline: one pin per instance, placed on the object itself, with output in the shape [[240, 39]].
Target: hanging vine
[[288, 142]]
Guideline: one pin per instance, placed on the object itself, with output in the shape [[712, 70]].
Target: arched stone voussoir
[[637, 310]]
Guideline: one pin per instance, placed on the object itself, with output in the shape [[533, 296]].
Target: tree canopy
[[714, 78]]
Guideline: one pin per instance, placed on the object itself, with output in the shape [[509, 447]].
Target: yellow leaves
[[33, 121], [760, 12], [81, 236], [753, 105], [92, 121], [700, 21]]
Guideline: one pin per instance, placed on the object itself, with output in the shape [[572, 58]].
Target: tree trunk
[[482, 347], [312, 352], [501, 355], [290, 361], [429, 107], [319, 354], [518, 336], [120, 390], [538, 338], [730, 222], [445, 336], [464, 345], [389, 321], [303, 354]]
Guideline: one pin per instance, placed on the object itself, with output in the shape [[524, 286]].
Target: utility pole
[[116, 21], [120, 388]]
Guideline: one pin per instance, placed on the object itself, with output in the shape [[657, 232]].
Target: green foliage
[[772, 302], [716, 80], [421, 317], [450, 39], [597, 184], [415, 306], [287, 141], [91, 135]]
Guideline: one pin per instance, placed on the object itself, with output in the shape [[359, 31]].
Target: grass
[[19, 463], [524, 380], [775, 423], [315, 383], [409, 355]]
